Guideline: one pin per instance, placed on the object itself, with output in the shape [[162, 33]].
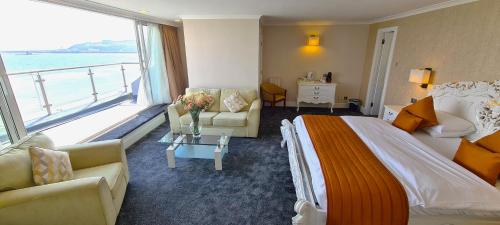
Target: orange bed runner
[[360, 190]]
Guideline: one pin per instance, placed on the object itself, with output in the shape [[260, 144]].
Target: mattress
[[318, 183]]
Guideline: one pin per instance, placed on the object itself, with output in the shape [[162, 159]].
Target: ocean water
[[66, 88], [18, 62]]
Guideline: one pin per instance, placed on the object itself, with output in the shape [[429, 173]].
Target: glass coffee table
[[211, 145]]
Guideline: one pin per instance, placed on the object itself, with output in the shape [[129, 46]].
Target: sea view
[[66, 87], [60, 38], [21, 62]]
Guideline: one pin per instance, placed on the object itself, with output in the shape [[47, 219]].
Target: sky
[[32, 25]]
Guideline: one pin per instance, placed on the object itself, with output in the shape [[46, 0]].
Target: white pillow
[[450, 126], [235, 102]]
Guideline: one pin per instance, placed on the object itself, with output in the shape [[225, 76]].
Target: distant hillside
[[104, 46]]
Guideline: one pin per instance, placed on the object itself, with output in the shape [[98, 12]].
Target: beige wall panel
[[342, 51], [222, 53]]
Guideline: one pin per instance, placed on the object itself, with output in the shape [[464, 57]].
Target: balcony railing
[[45, 92]]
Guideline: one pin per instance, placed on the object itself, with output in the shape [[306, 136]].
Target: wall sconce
[[313, 40], [420, 76]]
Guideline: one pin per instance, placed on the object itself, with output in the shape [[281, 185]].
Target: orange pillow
[[490, 142], [480, 161], [407, 122], [424, 108]]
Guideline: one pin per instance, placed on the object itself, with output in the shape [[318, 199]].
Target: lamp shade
[[313, 40], [419, 76]]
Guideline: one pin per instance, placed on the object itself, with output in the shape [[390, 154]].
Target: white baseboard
[[341, 105], [134, 136]]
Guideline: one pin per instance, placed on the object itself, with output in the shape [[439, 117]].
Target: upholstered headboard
[[475, 101]]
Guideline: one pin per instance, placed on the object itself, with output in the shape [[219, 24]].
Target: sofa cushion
[[37, 139], [113, 173], [15, 170], [50, 166], [235, 102], [205, 118], [248, 94], [229, 119], [215, 107], [15, 159]]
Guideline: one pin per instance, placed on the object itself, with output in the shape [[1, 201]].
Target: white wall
[[222, 53]]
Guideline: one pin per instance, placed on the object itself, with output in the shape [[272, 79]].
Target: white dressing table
[[316, 92]]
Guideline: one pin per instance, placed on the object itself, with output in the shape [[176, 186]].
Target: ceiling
[[274, 11]]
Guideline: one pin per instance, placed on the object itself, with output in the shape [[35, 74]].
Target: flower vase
[[195, 126]]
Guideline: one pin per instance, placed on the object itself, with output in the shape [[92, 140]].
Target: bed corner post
[[307, 214], [284, 126]]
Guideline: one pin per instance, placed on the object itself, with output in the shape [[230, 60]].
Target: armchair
[[93, 196], [273, 94]]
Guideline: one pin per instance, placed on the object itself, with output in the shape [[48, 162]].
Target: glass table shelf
[[211, 145]]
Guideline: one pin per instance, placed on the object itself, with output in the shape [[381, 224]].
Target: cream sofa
[[244, 123], [94, 196]]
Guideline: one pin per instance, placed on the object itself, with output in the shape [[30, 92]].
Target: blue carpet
[[254, 187]]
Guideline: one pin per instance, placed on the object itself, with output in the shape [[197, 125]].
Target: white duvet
[[430, 180]]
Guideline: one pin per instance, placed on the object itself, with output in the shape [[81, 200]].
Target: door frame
[[376, 55]]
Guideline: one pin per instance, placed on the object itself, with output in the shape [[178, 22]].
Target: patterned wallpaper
[[459, 43]]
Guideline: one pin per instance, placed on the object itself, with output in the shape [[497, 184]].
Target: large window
[[62, 63]]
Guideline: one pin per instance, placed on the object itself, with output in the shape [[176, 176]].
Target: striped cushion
[[50, 166]]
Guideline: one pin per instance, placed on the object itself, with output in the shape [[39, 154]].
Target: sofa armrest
[[80, 201], [175, 111], [253, 118], [93, 154]]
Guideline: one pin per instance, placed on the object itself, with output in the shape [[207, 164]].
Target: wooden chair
[[272, 93]]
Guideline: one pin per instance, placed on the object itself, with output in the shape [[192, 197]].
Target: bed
[[426, 161]]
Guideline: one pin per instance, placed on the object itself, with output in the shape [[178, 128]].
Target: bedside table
[[391, 111]]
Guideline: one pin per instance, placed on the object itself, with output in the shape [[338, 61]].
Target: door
[[381, 64]]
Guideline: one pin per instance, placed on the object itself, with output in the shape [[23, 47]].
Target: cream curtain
[[173, 58], [156, 88]]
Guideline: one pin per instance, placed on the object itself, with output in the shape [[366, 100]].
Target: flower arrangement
[[194, 103]]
